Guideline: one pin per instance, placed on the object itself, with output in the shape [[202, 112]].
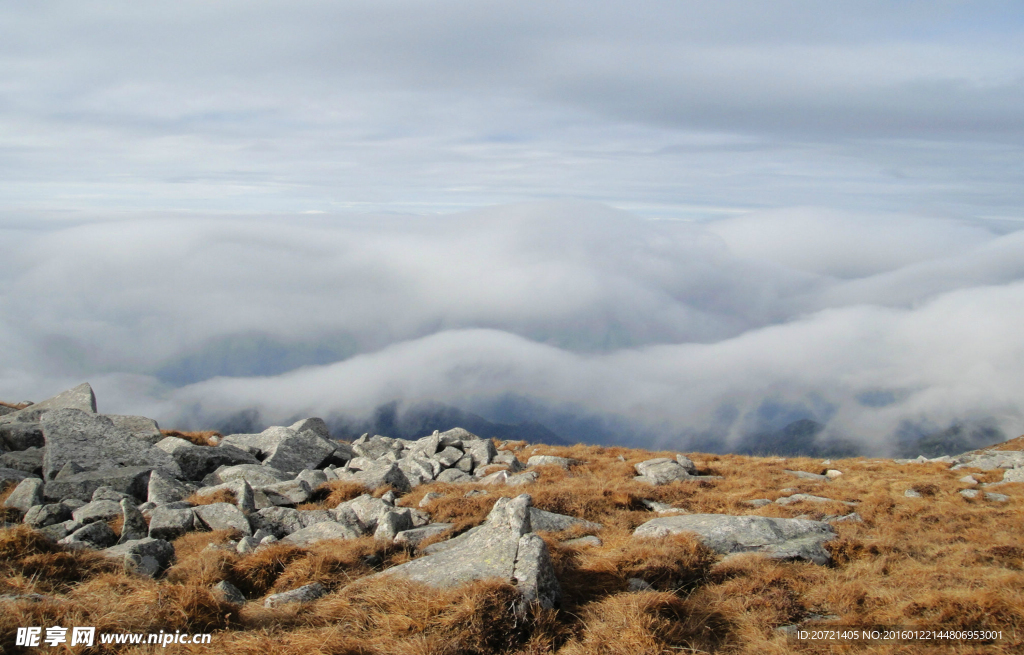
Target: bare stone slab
[[776, 538]]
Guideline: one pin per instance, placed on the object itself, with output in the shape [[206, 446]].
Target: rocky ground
[[289, 541]]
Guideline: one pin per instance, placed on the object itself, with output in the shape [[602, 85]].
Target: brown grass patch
[[15, 405], [199, 438], [219, 496]]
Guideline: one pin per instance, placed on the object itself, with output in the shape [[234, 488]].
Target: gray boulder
[[93, 442], [808, 476], [583, 542], [519, 479], [303, 594], [502, 548], [661, 470], [58, 531], [27, 494], [196, 462], [81, 398], [13, 475], [255, 475], [989, 460], [481, 450], [312, 477], [140, 427], [146, 556], [379, 474], [132, 480], [229, 592], [413, 536], [687, 464], [40, 516], [108, 493], [375, 447], [282, 521], [298, 451], [366, 509], [776, 538], [169, 524], [28, 461], [222, 516], [315, 425], [163, 488], [322, 532], [391, 523], [93, 535], [292, 492], [454, 476], [133, 526], [808, 498], [448, 456], [97, 510], [551, 460], [21, 435], [543, 521]]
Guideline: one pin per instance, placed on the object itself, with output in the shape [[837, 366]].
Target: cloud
[[674, 328]]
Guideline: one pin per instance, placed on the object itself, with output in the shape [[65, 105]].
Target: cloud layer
[[675, 327]]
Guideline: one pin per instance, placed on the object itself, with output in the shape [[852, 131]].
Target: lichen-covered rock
[[414, 536], [97, 510], [40, 516], [81, 398], [93, 535], [551, 460], [322, 532], [500, 548], [162, 489], [775, 538], [169, 524], [222, 516], [93, 442], [133, 524], [543, 521], [132, 480], [27, 494], [146, 556], [303, 594]]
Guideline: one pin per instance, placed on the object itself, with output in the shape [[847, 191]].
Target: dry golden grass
[[219, 496], [939, 561], [199, 438]]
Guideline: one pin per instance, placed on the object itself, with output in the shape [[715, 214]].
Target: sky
[[681, 217]]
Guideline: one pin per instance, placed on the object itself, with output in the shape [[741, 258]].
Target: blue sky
[[215, 205]]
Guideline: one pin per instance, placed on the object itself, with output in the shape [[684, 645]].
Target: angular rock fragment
[[502, 548], [551, 460], [27, 494], [169, 524], [28, 461], [544, 521], [229, 592], [222, 516], [414, 536], [133, 525], [80, 398], [21, 435], [162, 489], [93, 535], [40, 516], [93, 442], [97, 510], [322, 532], [303, 594], [146, 556], [132, 480]]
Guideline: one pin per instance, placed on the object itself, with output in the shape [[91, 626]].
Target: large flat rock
[[776, 538]]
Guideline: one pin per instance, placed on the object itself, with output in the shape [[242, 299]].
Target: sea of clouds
[[863, 322]]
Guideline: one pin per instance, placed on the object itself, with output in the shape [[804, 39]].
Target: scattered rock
[[169, 524], [93, 535], [146, 556], [229, 592], [502, 547], [303, 594], [222, 516], [27, 494], [589, 540], [807, 476], [133, 526], [414, 536], [80, 398], [543, 521], [551, 460], [776, 538]]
